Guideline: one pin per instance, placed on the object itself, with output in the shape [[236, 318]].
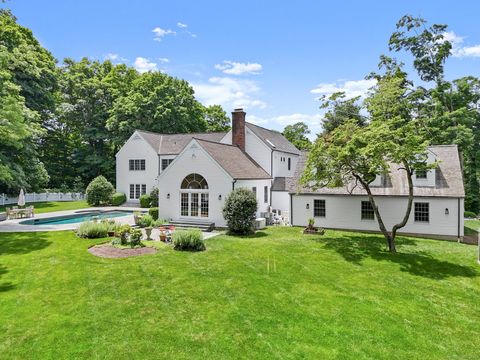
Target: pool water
[[76, 218]]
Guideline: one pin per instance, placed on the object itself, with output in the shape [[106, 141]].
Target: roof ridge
[[186, 133], [214, 142]]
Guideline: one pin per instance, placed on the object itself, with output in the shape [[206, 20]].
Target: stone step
[[192, 224]]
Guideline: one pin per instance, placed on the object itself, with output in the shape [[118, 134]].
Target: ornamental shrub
[[470, 214], [239, 211], [154, 197], [92, 230], [99, 191], [153, 211], [118, 199], [145, 201], [145, 221], [188, 240], [135, 237]]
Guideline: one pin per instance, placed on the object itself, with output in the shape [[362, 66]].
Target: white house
[[195, 172]]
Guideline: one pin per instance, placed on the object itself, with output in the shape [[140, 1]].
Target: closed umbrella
[[21, 198]]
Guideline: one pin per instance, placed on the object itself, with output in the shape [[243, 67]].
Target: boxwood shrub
[[239, 211], [153, 211], [470, 214], [188, 240], [99, 191], [118, 199], [145, 201], [154, 197]]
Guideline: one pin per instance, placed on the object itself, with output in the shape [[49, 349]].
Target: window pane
[[265, 194], [319, 208], [422, 212], [144, 189], [204, 205], [142, 164], [421, 174], [137, 191], [194, 204], [184, 205], [289, 163], [130, 165], [132, 191], [367, 211]]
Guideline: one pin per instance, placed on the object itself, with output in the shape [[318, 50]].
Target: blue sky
[[274, 58]]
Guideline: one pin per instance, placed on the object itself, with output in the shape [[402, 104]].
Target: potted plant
[[311, 229], [163, 234]]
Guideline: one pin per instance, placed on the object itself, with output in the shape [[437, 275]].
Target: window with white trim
[[421, 174], [136, 164], [422, 212], [265, 194], [165, 163], [137, 190], [254, 190], [319, 209]]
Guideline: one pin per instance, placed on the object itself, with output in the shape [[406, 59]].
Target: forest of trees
[[62, 123]]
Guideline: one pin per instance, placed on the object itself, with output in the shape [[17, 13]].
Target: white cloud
[[351, 88], [143, 65], [229, 92], [458, 50], [115, 58], [237, 68], [164, 60], [182, 25], [161, 33], [279, 122]]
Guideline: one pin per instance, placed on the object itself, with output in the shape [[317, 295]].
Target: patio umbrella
[[21, 198]]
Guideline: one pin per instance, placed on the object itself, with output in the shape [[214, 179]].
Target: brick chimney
[[238, 128]]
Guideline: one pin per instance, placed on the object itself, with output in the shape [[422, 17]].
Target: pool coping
[[14, 225]]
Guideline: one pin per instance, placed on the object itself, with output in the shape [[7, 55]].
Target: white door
[[194, 204]]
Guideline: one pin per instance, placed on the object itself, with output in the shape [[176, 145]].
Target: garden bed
[[109, 251]]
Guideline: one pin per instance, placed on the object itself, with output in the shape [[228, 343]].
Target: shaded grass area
[[50, 206], [472, 227], [278, 294]]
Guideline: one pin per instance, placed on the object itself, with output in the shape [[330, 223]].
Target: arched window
[[194, 181]]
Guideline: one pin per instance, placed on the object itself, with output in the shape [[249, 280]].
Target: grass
[[472, 227], [49, 206], [278, 294]]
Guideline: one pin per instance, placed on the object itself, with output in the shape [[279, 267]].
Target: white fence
[[37, 197]]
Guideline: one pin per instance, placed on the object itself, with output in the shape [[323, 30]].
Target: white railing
[[37, 197]]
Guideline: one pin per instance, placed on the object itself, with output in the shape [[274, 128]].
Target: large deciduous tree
[[297, 135], [339, 110], [352, 155], [216, 118]]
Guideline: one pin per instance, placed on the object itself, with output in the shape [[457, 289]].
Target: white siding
[[227, 139], [344, 212], [280, 164], [259, 184], [281, 201], [258, 150], [219, 183], [136, 148]]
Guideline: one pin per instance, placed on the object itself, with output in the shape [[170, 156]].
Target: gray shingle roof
[[273, 139], [173, 144], [448, 182], [233, 160]]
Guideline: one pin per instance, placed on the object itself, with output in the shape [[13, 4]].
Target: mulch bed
[[108, 251]]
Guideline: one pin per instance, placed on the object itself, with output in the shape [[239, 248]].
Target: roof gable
[[273, 139]]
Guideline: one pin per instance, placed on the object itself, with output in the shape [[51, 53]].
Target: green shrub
[[118, 199], [92, 230], [154, 197], [124, 233], [135, 237], [188, 240], [145, 201], [470, 214], [145, 221], [99, 191], [153, 211], [160, 222], [239, 211]]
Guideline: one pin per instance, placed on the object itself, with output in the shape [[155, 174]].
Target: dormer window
[[421, 174]]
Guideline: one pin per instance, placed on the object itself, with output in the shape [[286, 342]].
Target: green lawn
[[472, 227], [44, 207], [338, 296]]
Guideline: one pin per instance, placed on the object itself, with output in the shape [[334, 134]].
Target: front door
[[194, 204]]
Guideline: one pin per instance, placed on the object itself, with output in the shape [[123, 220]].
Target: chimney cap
[[238, 110]]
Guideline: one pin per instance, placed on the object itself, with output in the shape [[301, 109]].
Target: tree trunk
[[409, 204], [381, 224]]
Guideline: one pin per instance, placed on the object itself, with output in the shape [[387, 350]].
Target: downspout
[[233, 184], [271, 175]]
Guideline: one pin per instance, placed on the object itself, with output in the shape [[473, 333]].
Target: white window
[[137, 190], [165, 163], [422, 212], [421, 174], [319, 209], [136, 164]]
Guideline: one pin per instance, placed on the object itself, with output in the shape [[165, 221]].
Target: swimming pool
[[77, 218]]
